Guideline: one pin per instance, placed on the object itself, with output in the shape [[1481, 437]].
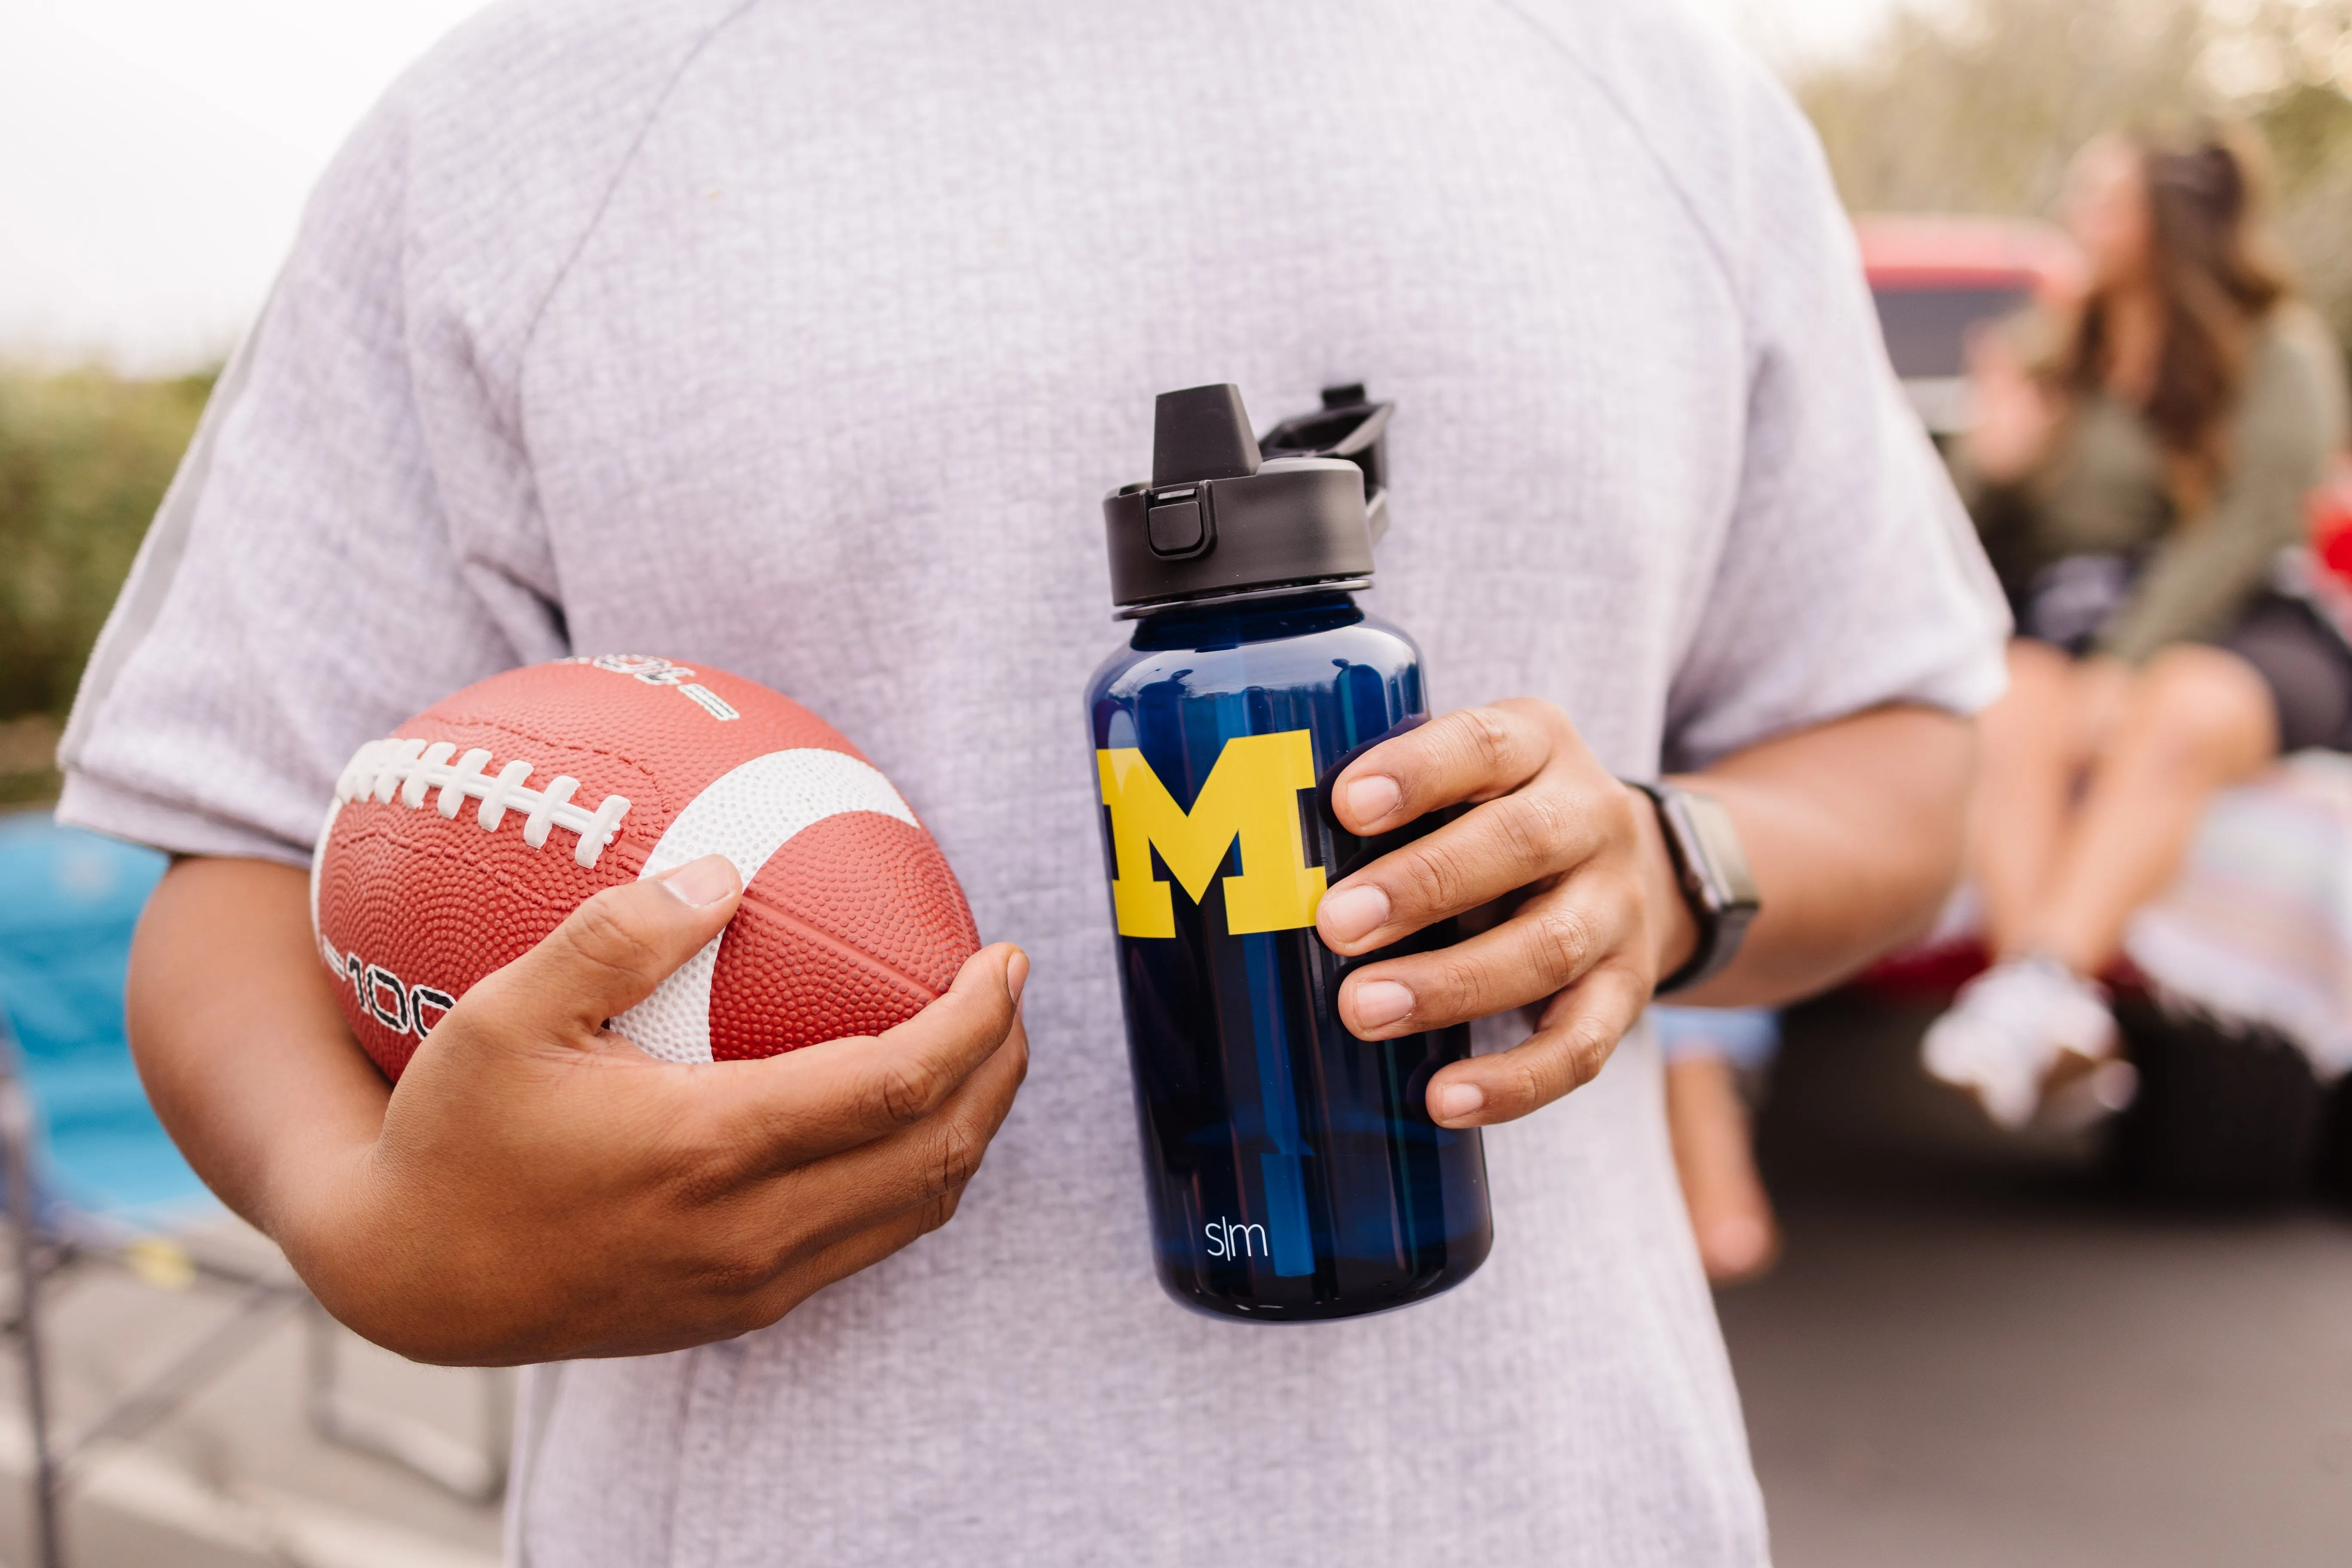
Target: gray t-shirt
[[802, 340]]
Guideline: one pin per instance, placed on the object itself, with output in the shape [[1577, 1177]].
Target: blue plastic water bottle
[[1293, 1170]]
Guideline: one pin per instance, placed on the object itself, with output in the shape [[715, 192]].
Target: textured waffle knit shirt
[[804, 339]]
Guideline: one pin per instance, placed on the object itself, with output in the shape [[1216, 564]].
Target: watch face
[[1721, 860]]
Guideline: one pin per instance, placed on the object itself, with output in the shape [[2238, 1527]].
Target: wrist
[[320, 1209], [378, 1268]]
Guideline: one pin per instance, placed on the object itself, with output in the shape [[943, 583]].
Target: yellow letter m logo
[[1251, 793]]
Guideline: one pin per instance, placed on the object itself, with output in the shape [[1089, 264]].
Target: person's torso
[[828, 398], [2109, 493], [2113, 490]]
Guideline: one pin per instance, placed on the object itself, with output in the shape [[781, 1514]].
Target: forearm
[[540, 1188], [2192, 590], [1854, 831], [2204, 575], [240, 1044]]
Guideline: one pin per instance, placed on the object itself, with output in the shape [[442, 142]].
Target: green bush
[[84, 460]]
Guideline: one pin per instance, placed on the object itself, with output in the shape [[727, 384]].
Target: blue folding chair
[[68, 901], [91, 1176]]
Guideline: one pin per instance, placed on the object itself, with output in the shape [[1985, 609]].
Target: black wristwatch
[[1712, 868]]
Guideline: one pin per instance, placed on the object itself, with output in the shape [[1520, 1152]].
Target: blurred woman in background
[[2135, 477]]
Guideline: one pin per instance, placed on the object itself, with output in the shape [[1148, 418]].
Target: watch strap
[[1712, 872]]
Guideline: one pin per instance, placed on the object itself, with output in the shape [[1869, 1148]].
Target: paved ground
[[1973, 1353], [1979, 1354], [237, 1477]]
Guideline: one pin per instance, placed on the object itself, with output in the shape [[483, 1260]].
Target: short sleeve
[[321, 567], [1850, 576]]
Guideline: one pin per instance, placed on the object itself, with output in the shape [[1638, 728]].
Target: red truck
[[1934, 278]]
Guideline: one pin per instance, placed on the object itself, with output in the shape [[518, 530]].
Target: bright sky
[[155, 154]]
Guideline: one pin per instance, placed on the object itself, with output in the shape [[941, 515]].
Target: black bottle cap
[[1201, 433], [1220, 518]]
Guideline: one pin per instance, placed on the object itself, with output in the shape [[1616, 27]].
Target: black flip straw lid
[[1222, 515]]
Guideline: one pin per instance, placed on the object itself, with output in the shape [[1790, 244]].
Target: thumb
[[610, 953]]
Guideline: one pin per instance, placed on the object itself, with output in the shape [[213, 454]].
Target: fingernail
[[1457, 1101], [1379, 1002], [700, 883], [1016, 975], [1351, 914], [1372, 797]]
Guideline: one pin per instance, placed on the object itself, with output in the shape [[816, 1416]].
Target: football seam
[[629, 760], [385, 831], [418, 768], [841, 946]]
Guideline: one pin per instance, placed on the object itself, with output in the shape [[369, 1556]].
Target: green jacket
[[2102, 492]]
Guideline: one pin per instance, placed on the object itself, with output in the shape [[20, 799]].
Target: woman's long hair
[[2212, 267]]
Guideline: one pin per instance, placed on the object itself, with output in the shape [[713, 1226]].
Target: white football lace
[[406, 770]]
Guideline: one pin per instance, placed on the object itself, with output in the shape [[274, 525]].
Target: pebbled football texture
[[458, 842]]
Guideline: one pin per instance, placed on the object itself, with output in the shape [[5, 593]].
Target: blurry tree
[[84, 460], [1978, 105]]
